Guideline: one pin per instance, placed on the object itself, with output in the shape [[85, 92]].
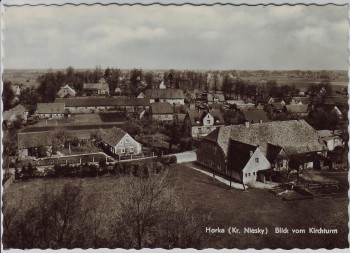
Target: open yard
[[252, 208]]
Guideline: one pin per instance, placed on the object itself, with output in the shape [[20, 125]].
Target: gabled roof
[[255, 116], [240, 154], [165, 93], [50, 108], [274, 152], [197, 116], [34, 139], [296, 108], [294, 136], [96, 86], [215, 97], [112, 136], [68, 88], [19, 108], [93, 102], [162, 108]]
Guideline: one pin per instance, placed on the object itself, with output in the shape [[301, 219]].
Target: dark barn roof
[[92, 102], [34, 139], [162, 108], [255, 116], [165, 93], [51, 108]]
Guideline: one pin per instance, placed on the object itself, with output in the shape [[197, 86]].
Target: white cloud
[[187, 36]]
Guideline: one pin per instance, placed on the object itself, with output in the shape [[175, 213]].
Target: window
[[199, 129], [122, 150], [254, 173], [166, 116], [257, 160], [131, 150], [246, 175], [249, 174], [208, 121], [126, 140]]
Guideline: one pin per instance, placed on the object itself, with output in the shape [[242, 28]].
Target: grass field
[[252, 208]]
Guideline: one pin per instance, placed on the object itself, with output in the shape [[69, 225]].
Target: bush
[[167, 160]]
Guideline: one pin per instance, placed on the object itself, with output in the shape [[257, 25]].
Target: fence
[[69, 160]]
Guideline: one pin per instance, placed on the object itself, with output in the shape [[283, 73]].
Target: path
[[189, 156]]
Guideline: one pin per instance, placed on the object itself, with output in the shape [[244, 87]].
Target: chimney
[[251, 153], [247, 124]]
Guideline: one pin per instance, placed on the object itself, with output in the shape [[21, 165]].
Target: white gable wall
[[252, 167], [208, 120], [129, 145]]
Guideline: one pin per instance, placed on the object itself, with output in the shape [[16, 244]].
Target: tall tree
[[7, 95]]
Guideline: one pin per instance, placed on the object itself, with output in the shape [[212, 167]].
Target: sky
[[178, 37]]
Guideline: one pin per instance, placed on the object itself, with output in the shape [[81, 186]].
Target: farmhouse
[[255, 116], [100, 88], [119, 142], [50, 110], [215, 98], [201, 123], [93, 104], [330, 138], [172, 96], [30, 142], [297, 109], [18, 112], [162, 111], [66, 91], [278, 141]]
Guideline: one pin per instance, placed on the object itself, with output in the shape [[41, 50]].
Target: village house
[[50, 110], [119, 142], [215, 98], [300, 100], [255, 116], [172, 96], [242, 104], [30, 142], [96, 105], [162, 112], [330, 138], [66, 91], [287, 145], [19, 112], [162, 86], [100, 88], [297, 109], [201, 123]]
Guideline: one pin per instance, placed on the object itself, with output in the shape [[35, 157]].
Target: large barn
[[283, 143]]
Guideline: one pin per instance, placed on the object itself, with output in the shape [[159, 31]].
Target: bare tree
[[144, 202]]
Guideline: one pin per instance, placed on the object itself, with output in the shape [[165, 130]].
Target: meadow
[[252, 208]]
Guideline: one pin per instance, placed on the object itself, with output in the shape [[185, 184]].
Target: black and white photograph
[[167, 125]]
